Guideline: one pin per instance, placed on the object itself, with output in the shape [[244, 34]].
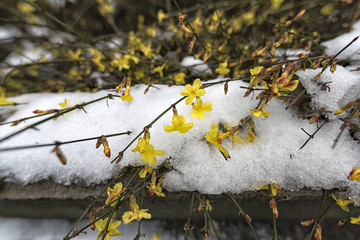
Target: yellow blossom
[[114, 193], [275, 4], [101, 224], [148, 152], [143, 172], [3, 100], [146, 50], [25, 7], [274, 208], [193, 91], [199, 109], [105, 7], [222, 69], [180, 78], [275, 188], [251, 136], [318, 230], [120, 63], [96, 58], [232, 135], [64, 104], [342, 203], [159, 70], [135, 213], [354, 175], [355, 220], [254, 72], [151, 31], [161, 16], [156, 187], [178, 124], [132, 58], [75, 55], [126, 94], [216, 139], [260, 111]]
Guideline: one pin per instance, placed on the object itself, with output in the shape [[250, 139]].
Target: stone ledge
[[52, 200]]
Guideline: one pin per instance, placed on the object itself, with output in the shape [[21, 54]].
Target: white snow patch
[[352, 53], [342, 87], [274, 157], [198, 66]]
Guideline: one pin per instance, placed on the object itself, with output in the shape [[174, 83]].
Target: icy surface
[[352, 53], [274, 157]]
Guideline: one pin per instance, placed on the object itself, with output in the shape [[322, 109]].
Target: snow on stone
[[342, 86], [352, 53], [198, 66], [274, 157]]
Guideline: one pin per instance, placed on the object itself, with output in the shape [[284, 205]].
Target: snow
[[342, 87], [352, 53], [198, 66], [274, 157]]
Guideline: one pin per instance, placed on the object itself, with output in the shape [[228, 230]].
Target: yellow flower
[[275, 188], [159, 70], [126, 94], [354, 175], [222, 69], [355, 220], [3, 100], [120, 63], [105, 7], [317, 234], [148, 152], [96, 58], [342, 203], [101, 224], [260, 112], [151, 31], [161, 16], [115, 193], [216, 139], [254, 72], [178, 124], [251, 136], [275, 4], [135, 213], [193, 91], [25, 7], [232, 134], [199, 109], [146, 50], [64, 104], [143, 172], [156, 187], [132, 58], [75, 55], [274, 208], [180, 78]]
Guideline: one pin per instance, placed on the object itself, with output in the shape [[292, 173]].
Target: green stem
[[149, 125], [62, 143], [273, 217], [62, 112], [187, 226], [243, 213]]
